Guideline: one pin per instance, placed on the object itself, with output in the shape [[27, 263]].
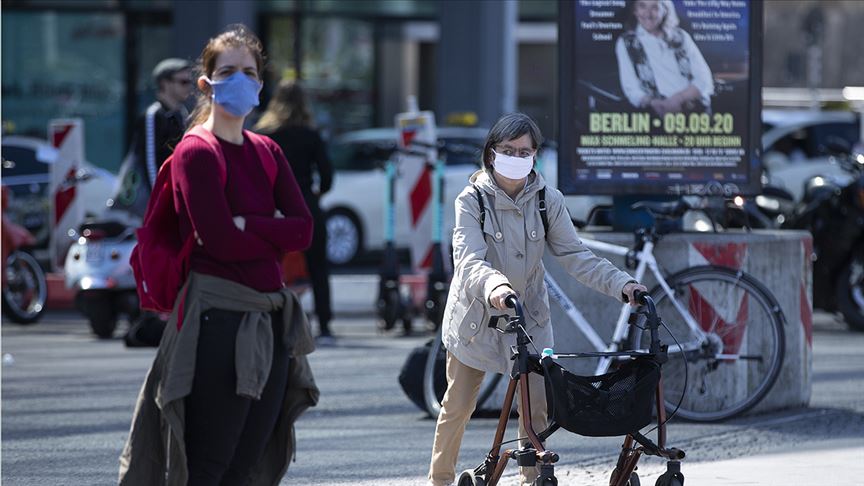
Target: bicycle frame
[[646, 260]]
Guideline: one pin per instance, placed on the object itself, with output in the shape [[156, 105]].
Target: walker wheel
[[467, 478], [675, 480], [672, 476], [551, 481]]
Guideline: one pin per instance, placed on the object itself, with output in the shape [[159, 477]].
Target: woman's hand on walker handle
[[629, 289], [499, 295]]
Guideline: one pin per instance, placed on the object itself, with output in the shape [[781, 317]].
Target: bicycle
[[745, 350]]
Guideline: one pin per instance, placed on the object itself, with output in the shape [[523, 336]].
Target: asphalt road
[[67, 400]]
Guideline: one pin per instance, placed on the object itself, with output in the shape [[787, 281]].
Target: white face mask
[[513, 167]]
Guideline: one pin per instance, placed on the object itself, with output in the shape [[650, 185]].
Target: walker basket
[[617, 403]]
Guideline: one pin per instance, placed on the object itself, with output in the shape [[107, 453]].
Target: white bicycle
[[724, 330]]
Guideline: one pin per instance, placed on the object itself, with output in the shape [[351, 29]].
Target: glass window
[[20, 161], [538, 9], [360, 156], [338, 70], [462, 151], [377, 8], [280, 50], [152, 44], [64, 65], [811, 142], [338, 64], [793, 145], [820, 135]]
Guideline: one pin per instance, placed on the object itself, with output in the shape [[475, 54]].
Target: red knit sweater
[[206, 205]]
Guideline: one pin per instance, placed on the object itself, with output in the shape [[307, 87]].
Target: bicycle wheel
[[737, 362], [435, 379]]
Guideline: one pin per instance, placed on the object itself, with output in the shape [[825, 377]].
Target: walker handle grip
[[511, 301]]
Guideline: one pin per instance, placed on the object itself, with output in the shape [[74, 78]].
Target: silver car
[[795, 145]]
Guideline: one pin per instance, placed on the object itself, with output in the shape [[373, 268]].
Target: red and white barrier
[[67, 136], [416, 132]]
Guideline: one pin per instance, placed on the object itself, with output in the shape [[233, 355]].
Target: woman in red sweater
[[221, 379]]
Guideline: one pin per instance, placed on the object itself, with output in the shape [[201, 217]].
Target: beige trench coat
[[511, 252]]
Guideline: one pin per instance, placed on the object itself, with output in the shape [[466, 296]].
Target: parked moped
[[833, 211], [97, 268], [25, 289]]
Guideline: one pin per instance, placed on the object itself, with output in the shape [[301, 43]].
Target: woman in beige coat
[[502, 257]]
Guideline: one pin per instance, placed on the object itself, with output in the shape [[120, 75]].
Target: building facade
[[359, 59]]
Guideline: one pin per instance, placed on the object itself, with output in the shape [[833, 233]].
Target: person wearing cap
[[157, 131], [162, 124]]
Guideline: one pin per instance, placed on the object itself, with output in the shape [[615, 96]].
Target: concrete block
[[778, 259]]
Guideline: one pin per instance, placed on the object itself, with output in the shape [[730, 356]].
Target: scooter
[[97, 268], [24, 287], [97, 264], [392, 306], [438, 282], [833, 211]]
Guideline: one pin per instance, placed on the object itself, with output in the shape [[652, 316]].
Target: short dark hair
[[509, 127]]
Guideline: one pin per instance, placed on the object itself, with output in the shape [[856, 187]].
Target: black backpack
[[411, 374]]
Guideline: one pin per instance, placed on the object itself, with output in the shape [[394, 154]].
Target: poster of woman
[[659, 65], [661, 97]]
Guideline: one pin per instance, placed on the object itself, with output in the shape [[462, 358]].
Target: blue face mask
[[237, 93]]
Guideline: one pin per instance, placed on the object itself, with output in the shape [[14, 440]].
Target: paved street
[[67, 400]]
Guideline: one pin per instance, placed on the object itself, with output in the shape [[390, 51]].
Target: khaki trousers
[[463, 386]]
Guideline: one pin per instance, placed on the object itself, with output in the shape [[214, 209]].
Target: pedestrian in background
[[288, 121], [157, 132], [497, 255], [230, 376], [161, 126]]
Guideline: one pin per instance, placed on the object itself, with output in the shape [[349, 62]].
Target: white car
[[795, 146], [26, 171], [355, 205]]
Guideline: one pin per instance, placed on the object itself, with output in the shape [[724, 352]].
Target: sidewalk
[[817, 462], [351, 295], [841, 465]]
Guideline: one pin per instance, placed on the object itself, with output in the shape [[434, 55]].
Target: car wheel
[[344, 236]]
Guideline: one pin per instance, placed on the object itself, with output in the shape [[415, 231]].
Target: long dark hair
[[235, 36], [288, 107]]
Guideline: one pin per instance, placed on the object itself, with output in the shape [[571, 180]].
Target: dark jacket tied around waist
[[155, 452]]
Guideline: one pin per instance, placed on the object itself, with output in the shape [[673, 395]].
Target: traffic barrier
[[780, 260]]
